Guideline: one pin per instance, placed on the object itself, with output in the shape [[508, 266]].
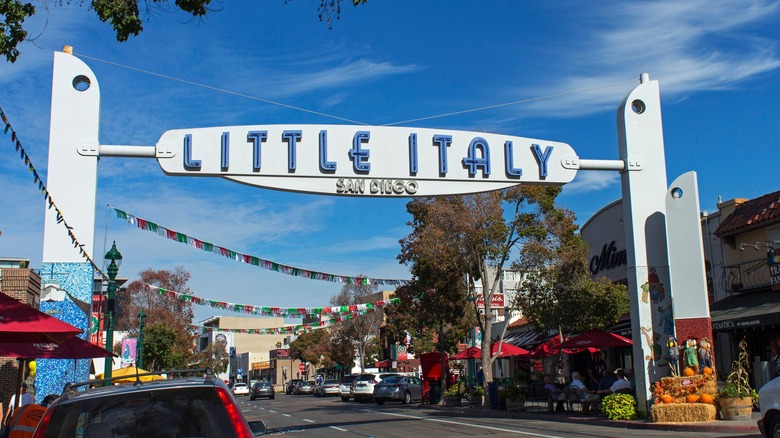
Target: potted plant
[[736, 397], [514, 395], [476, 395], [454, 394]]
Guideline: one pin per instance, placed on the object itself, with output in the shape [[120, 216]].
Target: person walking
[[25, 399]]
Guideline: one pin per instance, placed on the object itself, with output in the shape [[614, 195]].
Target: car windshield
[[307, 383], [184, 412], [262, 384]]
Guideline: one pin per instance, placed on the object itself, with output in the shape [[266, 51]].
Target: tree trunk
[[444, 367]]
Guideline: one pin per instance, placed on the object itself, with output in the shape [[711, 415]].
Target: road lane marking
[[338, 428], [287, 415], [272, 411], [459, 423], [306, 419]]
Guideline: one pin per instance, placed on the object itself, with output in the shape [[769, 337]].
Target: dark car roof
[[103, 391]]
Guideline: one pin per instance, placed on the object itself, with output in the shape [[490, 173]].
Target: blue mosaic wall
[[77, 280]]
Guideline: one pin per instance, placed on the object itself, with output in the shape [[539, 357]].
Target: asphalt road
[[304, 415]]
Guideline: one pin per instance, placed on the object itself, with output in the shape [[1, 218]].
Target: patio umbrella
[[73, 348], [508, 350], [469, 353], [25, 324], [129, 374], [553, 345], [597, 338]]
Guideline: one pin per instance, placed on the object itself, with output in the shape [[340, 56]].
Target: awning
[[383, 364], [522, 339], [755, 309]]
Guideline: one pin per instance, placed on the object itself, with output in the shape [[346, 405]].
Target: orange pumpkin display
[[688, 372], [666, 398], [706, 398], [692, 398], [707, 371]]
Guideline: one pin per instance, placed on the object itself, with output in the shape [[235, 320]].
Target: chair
[[575, 395]]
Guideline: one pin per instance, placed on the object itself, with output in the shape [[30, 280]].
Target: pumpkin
[[688, 372], [666, 398], [707, 371], [706, 398], [692, 398]]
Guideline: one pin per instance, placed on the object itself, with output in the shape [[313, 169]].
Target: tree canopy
[[361, 329], [168, 335], [127, 18]]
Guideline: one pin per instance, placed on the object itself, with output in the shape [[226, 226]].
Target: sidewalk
[[720, 426]]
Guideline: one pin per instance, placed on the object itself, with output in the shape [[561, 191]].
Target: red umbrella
[[469, 353], [22, 323], [597, 338], [553, 345], [508, 350], [73, 348]]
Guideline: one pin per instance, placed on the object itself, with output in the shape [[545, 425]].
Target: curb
[[721, 426]]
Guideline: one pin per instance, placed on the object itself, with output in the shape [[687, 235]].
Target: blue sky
[[569, 64]]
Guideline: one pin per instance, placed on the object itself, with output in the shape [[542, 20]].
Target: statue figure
[[671, 345], [691, 356], [705, 354]]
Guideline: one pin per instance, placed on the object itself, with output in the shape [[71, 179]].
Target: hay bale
[[682, 412]]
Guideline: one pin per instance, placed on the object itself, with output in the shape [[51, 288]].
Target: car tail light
[[236, 418], [40, 431]]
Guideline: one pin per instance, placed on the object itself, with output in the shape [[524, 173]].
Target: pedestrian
[[775, 359], [26, 399], [620, 385], [588, 396], [555, 394], [24, 420], [600, 364], [480, 377]]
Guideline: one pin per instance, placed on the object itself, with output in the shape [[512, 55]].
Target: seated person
[[621, 385], [587, 396], [606, 381], [554, 393]]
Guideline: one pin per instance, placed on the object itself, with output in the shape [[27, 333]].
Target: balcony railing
[[746, 276]]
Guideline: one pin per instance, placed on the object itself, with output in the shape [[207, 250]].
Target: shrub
[[456, 390], [512, 392], [619, 407]]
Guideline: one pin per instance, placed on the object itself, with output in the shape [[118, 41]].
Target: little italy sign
[[364, 160]]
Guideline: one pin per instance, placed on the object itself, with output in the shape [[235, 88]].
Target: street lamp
[[113, 268], [142, 321]]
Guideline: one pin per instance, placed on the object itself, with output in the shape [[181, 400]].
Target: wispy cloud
[[590, 181], [688, 46]]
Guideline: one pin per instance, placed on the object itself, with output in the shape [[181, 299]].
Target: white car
[[240, 389], [769, 402]]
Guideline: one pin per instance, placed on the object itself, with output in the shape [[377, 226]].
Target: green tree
[[215, 356], [361, 328], [558, 291], [162, 351], [474, 236], [126, 17], [341, 348], [173, 314], [309, 346]]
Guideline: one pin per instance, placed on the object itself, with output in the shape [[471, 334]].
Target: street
[[329, 417]]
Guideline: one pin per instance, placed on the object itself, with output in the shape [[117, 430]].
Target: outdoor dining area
[[525, 374]]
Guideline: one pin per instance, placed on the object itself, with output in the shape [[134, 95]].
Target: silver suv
[[363, 386], [769, 402], [200, 406]]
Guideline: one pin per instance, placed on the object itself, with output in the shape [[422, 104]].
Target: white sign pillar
[[640, 137]]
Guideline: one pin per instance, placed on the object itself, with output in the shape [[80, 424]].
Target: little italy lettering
[[364, 161]]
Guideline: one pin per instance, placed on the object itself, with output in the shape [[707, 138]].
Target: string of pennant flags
[[286, 330], [287, 312], [193, 242], [38, 180]]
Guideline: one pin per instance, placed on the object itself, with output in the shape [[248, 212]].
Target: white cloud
[[591, 181]]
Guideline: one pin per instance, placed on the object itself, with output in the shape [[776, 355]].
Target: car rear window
[[365, 378], [331, 382], [348, 379], [194, 411], [393, 379]]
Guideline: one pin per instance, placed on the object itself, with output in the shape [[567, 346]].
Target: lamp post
[[113, 268], [142, 320]]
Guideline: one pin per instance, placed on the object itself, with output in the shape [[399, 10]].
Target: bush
[[456, 390], [475, 391], [512, 392], [619, 407]]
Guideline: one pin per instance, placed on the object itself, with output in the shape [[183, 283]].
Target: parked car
[[262, 389], [240, 388], [398, 388], [363, 386], [304, 387], [326, 388], [345, 386], [290, 388], [189, 406], [769, 402]]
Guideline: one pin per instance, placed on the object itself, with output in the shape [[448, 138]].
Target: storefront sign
[[365, 160], [496, 301], [261, 365], [279, 354], [609, 258]]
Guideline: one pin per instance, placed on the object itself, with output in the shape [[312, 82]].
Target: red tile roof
[[750, 214]]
